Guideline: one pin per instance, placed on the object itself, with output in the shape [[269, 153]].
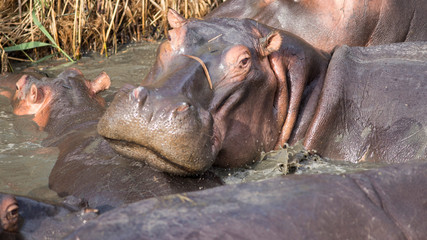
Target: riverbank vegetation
[[35, 30]]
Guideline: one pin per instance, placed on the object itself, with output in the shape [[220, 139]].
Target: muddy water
[[291, 160], [25, 165]]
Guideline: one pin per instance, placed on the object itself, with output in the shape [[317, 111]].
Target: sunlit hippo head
[[213, 96], [66, 95]]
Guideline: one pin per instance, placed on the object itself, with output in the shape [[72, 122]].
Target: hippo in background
[[8, 81], [68, 109], [47, 102], [326, 24], [221, 97]]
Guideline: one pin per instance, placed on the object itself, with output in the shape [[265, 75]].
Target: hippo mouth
[[169, 135], [149, 155]]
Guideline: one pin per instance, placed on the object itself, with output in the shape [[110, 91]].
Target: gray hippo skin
[[221, 97], [326, 24], [373, 105], [387, 203]]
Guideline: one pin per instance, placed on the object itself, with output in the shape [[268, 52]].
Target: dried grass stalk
[[79, 26]]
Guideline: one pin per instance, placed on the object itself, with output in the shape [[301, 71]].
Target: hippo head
[[210, 98], [69, 94]]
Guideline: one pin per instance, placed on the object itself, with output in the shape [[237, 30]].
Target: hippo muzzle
[[168, 133]]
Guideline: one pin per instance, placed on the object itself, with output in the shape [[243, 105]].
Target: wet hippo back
[[387, 203], [328, 23], [373, 105]]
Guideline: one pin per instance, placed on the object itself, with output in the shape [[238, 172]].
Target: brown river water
[[25, 165]]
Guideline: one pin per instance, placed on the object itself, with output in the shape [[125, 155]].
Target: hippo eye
[[169, 37], [17, 88], [12, 213], [244, 61]]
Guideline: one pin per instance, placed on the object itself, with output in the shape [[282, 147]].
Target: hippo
[[364, 205], [68, 108], [43, 99], [224, 90], [326, 24], [8, 81], [361, 205]]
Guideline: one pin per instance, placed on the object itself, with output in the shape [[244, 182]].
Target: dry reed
[[79, 26]]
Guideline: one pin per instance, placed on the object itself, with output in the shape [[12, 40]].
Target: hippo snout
[[167, 132]]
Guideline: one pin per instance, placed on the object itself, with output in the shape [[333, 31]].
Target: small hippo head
[[9, 215], [210, 98], [65, 95]]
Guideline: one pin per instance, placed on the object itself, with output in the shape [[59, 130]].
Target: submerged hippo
[[8, 81], [329, 23], [68, 109], [68, 96], [223, 90]]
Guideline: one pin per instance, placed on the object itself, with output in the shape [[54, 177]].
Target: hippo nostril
[[139, 94], [182, 107], [136, 92]]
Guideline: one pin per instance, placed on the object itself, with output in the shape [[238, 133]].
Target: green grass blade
[[47, 34], [15, 45], [26, 46]]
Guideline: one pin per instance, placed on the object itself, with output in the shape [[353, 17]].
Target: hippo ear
[[34, 94], [271, 43], [175, 20], [100, 83]]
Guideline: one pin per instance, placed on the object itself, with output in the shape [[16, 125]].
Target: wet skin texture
[[366, 205], [68, 109], [372, 105], [361, 205], [329, 23], [269, 87]]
